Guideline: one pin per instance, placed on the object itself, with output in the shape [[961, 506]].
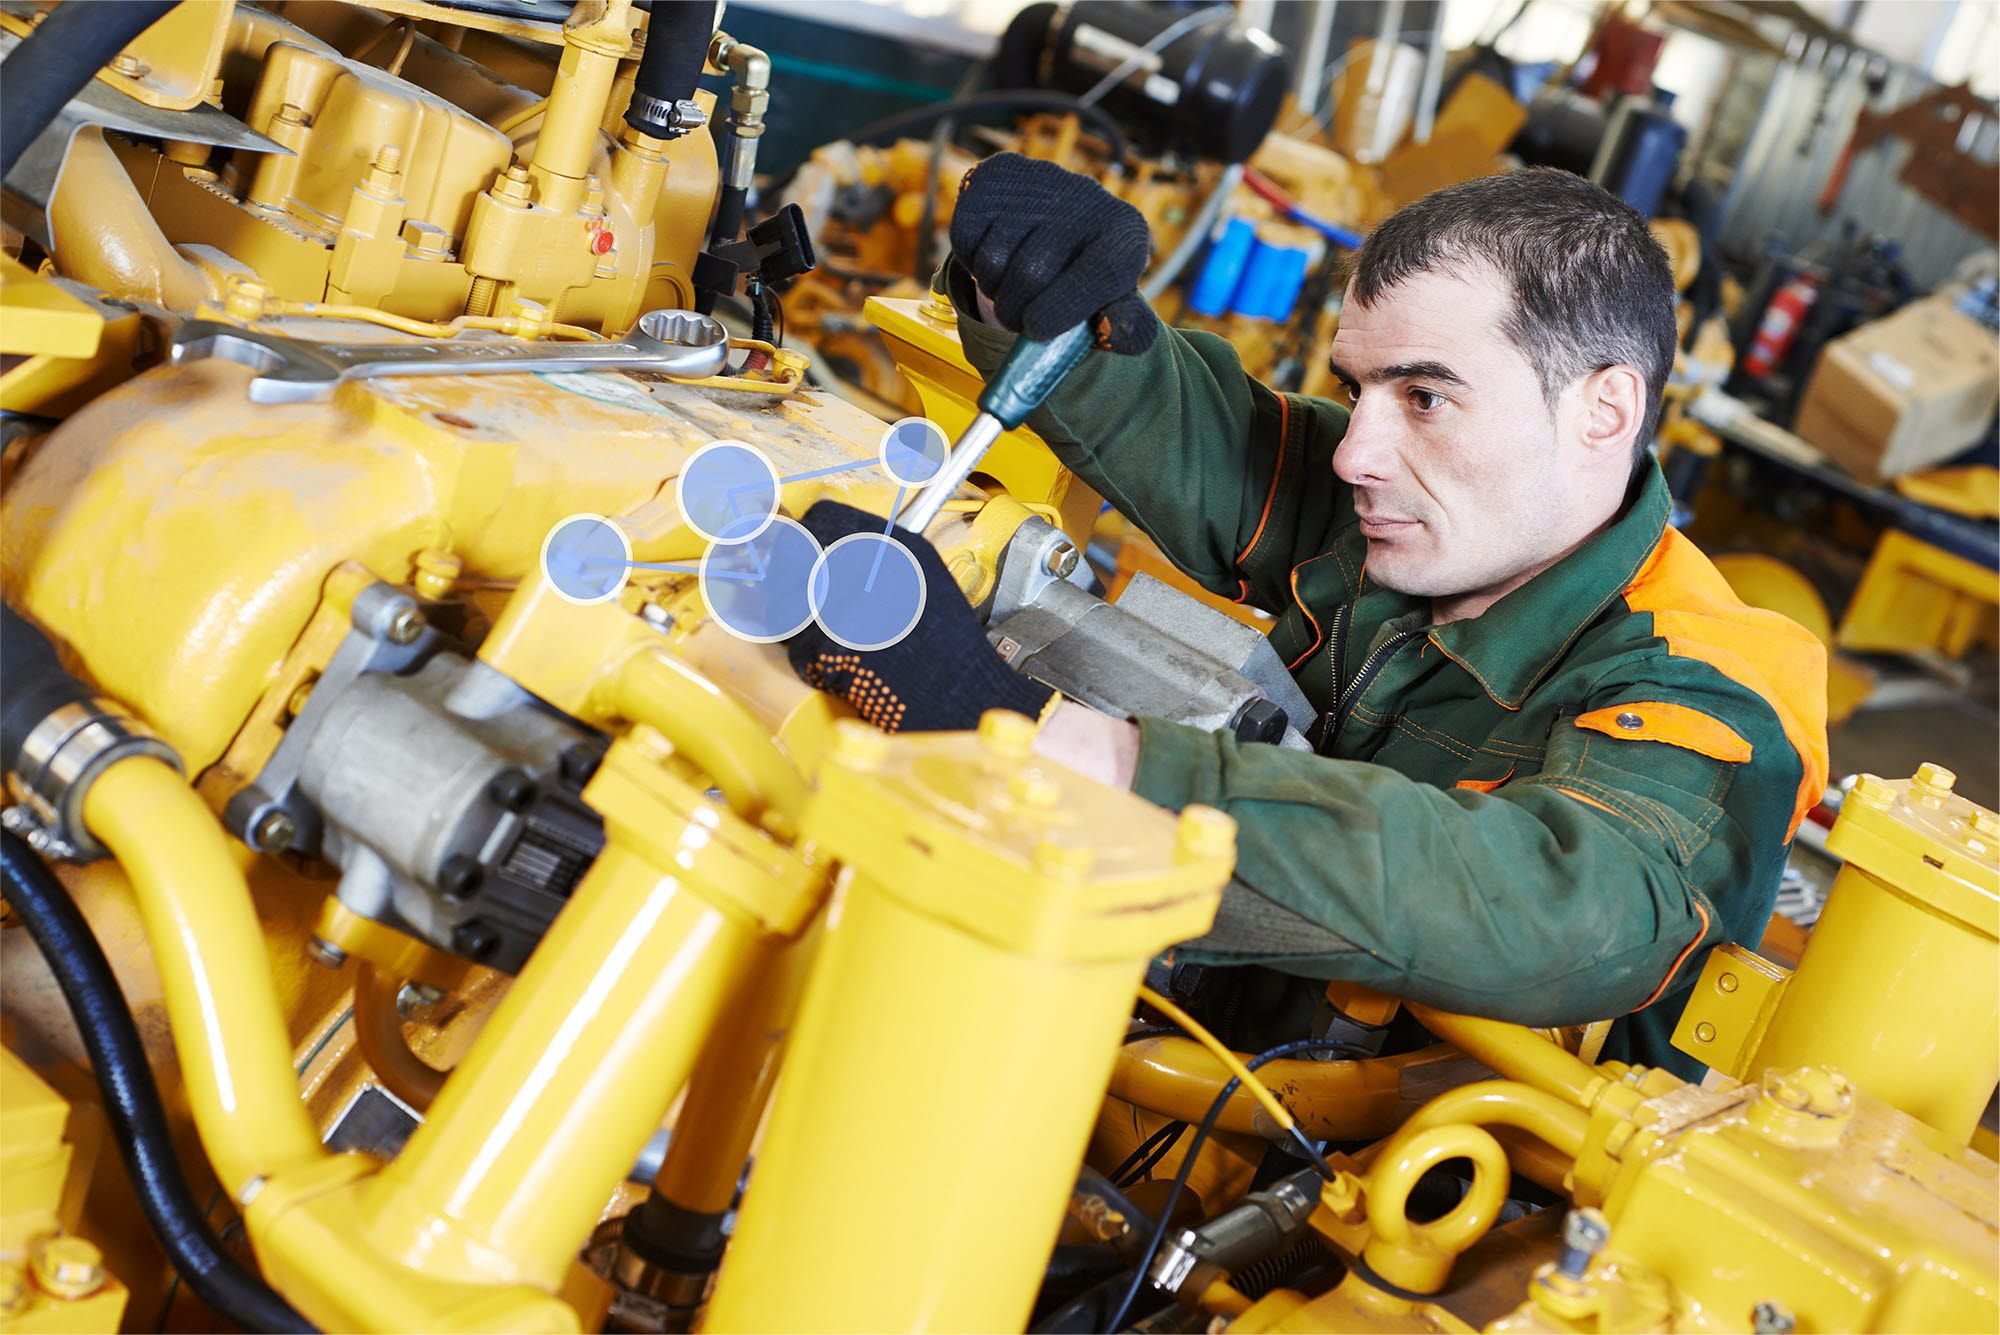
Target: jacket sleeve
[[1232, 480], [1577, 894]]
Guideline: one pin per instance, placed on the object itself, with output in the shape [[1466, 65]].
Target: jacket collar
[[1511, 646]]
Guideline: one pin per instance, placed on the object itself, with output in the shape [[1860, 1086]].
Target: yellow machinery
[[434, 895]]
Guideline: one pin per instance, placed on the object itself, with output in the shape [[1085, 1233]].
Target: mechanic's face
[[1464, 479]]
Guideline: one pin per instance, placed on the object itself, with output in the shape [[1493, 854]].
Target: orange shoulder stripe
[[1699, 616], [1277, 473]]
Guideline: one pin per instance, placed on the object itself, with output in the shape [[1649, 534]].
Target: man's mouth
[[1385, 528]]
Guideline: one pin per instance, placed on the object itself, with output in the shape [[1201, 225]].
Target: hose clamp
[[59, 761], [664, 119]]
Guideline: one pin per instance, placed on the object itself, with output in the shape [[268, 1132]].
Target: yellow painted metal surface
[[979, 884], [40, 318], [1899, 986], [35, 1156], [1730, 1007], [1915, 597]]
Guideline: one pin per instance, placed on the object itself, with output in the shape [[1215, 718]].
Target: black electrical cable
[[1013, 100], [1158, 1152], [1162, 1132], [1201, 1134], [58, 60], [131, 1099]]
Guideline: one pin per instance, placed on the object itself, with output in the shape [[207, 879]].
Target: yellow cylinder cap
[[1008, 734], [66, 1267], [857, 746], [1202, 833]]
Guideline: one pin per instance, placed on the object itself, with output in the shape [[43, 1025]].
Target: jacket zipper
[[1348, 696]]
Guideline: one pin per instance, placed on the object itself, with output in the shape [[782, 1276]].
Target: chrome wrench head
[[679, 345]]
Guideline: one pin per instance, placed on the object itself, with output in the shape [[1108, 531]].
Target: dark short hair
[[1591, 286]]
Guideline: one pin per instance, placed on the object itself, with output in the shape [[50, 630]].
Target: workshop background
[[619, 981]]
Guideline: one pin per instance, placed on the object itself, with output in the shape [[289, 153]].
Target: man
[[1556, 757]]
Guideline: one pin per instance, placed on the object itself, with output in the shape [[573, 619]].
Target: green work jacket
[[1544, 814]]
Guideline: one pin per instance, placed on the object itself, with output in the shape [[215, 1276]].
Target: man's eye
[[1423, 400]]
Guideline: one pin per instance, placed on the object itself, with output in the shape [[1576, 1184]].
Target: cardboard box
[[1904, 392]]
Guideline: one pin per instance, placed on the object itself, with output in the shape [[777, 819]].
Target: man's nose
[[1367, 451]]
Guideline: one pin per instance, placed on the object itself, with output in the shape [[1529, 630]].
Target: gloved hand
[[1052, 249], [940, 677]]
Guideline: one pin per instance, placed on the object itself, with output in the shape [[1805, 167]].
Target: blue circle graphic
[[728, 491], [757, 589], [868, 591], [585, 558], [913, 450]]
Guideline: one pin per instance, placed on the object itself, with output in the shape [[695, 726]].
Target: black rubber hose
[[55, 61], [131, 1099], [677, 40], [37, 686], [728, 214], [903, 122]]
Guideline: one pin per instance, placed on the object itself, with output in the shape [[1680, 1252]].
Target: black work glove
[[1052, 249], [940, 677]]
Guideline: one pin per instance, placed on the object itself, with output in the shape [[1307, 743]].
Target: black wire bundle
[[1201, 1134]]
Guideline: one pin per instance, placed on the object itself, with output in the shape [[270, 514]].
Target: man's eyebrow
[[1400, 371]]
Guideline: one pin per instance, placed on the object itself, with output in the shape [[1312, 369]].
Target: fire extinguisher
[[1780, 325]]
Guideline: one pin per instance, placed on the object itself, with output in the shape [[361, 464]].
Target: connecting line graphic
[[881, 547], [827, 472]]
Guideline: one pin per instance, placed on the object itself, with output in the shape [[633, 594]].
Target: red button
[[602, 242]]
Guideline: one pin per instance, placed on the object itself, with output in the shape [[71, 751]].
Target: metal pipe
[[1336, 1100], [228, 1027], [378, 1030], [1515, 1052], [1427, 92], [715, 732], [506, 1177], [966, 454]]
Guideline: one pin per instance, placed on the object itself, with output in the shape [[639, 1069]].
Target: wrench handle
[[1030, 374]]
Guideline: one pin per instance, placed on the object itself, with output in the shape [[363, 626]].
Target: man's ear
[[1613, 401]]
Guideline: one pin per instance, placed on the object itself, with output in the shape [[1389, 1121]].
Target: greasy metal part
[[1126, 665], [60, 759], [749, 98], [1265, 1224], [32, 183], [679, 345]]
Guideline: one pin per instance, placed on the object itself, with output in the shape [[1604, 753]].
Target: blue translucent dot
[[913, 450], [868, 591], [728, 491], [756, 589], [585, 558]]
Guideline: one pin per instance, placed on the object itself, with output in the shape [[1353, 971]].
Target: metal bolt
[[1726, 983], [1935, 777], [251, 1190], [325, 952], [1585, 1231], [510, 790], [1204, 832], [857, 746], [291, 113], [129, 65], [406, 625], [1061, 560], [1006, 734], [275, 832], [1876, 792], [1630, 722], [66, 1267], [579, 762], [474, 939], [658, 617], [1704, 1032], [1769, 1318], [389, 158], [460, 876], [413, 1000]]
